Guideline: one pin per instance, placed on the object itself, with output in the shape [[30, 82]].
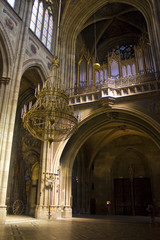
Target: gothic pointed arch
[[6, 54], [114, 123], [37, 64], [69, 30]]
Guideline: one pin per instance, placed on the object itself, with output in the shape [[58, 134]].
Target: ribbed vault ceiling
[[116, 24]]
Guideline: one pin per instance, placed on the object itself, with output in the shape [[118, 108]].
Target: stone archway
[[79, 15], [25, 158], [6, 57], [92, 145]]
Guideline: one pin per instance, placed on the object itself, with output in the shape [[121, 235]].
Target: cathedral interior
[[100, 153]]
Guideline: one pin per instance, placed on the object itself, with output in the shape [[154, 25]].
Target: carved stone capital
[[4, 80]]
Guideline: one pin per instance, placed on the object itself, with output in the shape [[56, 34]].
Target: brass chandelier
[[50, 118]]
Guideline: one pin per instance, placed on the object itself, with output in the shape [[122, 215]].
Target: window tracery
[[42, 21], [127, 52]]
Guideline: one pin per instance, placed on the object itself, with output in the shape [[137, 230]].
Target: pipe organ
[[126, 64]]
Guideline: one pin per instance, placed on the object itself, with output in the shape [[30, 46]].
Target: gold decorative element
[[50, 118], [96, 65]]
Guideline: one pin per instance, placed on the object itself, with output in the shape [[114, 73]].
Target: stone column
[[154, 33], [48, 184], [43, 189], [67, 207], [156, 8], [66, 181], [8, 111]]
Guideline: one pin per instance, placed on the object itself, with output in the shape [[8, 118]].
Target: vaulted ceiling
[[113, 25]]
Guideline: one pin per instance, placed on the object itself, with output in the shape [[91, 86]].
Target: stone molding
[[4, 80]]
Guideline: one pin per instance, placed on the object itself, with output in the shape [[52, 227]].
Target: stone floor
[[77, 228]]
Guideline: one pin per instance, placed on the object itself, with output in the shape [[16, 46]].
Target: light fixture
[[50, 118], [96, 64]]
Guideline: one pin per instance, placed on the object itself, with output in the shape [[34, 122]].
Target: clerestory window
[[42, 21], [11, 2]]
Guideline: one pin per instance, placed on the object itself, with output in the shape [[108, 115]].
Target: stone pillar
[[43, 191], [156, 8], [154, 33], [10, 92], [66, 182], [48, 202]]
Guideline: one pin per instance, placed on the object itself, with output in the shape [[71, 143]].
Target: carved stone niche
[[107, 102]]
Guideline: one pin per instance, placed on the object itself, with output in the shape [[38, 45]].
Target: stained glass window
[[42, 21], [39, 20], [49, 38], [45, 27], [34, 15], [126, 52], [11, 2]]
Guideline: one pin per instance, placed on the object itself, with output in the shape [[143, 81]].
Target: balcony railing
[[116, 88]]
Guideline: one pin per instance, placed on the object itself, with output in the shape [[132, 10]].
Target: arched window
[[11, 2], [42, 22]]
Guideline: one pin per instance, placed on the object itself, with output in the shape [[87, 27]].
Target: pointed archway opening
[[87, 162], [113, 175], [25, 160]]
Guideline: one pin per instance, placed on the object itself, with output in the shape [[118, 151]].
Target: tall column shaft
[[47, 191], [8, 111]]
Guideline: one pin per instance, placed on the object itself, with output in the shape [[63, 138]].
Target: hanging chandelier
[[50, 118]]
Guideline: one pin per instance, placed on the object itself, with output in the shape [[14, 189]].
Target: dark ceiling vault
[[116, 24]]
